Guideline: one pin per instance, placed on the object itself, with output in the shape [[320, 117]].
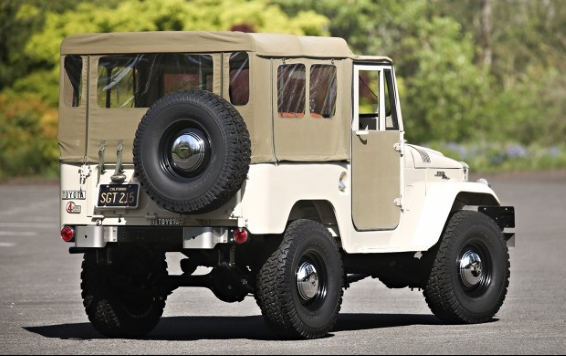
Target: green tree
[[445, 91], [527, 43], [360, 22], [17, 24], [442, 89], [19, 20]]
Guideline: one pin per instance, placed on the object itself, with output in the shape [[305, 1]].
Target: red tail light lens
[[240, 236], [68, 234]]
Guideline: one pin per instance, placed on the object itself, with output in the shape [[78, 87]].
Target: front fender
[[440, 199]]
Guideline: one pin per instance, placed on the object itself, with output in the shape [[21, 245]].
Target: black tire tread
[[274, 295], [104, 309], [439, 291]]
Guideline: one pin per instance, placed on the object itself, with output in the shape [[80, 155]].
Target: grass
[[504, 156]]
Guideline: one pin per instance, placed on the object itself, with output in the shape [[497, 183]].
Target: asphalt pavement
[[41, 309]]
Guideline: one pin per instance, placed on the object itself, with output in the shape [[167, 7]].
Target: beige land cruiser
[[276, 161]]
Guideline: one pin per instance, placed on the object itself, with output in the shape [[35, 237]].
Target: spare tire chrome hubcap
[[189, 151]]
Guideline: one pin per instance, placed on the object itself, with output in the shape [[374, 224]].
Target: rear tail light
[[240, 236], [68, 234]]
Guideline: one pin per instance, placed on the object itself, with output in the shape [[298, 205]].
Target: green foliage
[[360, 22], [451, 88], [41, 83], [16, 25], [445, 91], [19, 20], [28, 142], [530, 111]]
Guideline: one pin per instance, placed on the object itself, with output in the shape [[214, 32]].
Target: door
[[377, 139]]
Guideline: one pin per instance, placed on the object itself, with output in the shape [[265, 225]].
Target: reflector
[[240, 236], [68, 234]]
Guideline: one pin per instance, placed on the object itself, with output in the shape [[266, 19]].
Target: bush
[[28, 138]]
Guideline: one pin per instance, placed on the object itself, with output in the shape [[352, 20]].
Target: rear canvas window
[[239, 78], [138, 80]]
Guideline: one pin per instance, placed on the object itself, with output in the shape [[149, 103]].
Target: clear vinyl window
[[138, 80], [239, 88], [391, 119], [73, 85], [291, 90], [368, 99], [322, 93]]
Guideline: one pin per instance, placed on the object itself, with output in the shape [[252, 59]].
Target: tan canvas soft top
[[265, 45], [82, 129]]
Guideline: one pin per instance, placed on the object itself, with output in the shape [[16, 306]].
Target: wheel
[[124, 298], [192, 152], [300, 287], [470, 274]]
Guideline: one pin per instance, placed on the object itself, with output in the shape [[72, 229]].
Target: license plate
[[118, 196]]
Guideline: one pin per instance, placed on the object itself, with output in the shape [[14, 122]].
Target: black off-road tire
[[449, 292], [286, 312], [126, 298], [225, 146]]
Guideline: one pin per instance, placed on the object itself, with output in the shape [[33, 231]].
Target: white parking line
[[47, 204], [37, 219], [7, 244], [17, 233], [28, 225]]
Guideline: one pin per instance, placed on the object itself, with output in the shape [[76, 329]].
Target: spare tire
[[192, 152]]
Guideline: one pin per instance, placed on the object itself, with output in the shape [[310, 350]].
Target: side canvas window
[[292, 91], [73, 84], [322, 92]]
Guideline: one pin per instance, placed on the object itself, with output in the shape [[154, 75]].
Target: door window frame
[[393, 98]]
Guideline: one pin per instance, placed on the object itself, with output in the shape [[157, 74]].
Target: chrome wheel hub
[[471, 269], [307, 281], [189, 151]]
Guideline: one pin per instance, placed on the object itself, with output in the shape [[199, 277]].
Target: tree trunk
[[486, 24]]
